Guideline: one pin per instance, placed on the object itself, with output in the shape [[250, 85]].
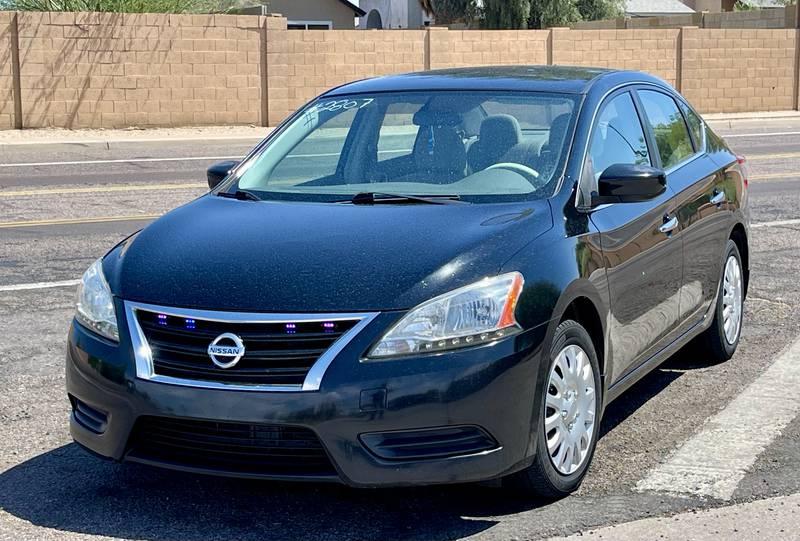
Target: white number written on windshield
[[341, 105]]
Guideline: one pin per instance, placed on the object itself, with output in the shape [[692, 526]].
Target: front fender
[[558, 270]]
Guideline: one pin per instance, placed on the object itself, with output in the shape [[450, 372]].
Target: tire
[[719, 343], [544, 478]]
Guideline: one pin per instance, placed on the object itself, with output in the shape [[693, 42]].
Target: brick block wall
[[304, 63], [757, 18], [665, 21], [654, 51], [735, 70], [619, 22], [113, 70], [760, 18], [461, 48], [6, 74]]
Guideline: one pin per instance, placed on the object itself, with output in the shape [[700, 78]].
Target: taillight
[[742, 161]]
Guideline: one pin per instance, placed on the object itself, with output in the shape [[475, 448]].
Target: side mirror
[[629, 183], [217, 172]]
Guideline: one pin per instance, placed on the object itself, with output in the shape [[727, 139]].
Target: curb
[[730, 120], [763, 115]]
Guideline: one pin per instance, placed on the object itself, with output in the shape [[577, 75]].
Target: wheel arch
[[583, 311], [739, 236], [582, 302]]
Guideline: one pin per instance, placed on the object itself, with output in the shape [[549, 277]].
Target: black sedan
[[427, 278]]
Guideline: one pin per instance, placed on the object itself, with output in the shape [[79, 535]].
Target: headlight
[[478, 313], [95, 308]]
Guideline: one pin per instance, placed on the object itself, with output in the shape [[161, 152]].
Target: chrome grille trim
[[144, 358]]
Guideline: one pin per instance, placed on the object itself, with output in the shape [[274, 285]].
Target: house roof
[[357, 10], [656, 7]]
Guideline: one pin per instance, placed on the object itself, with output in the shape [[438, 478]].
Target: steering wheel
[[530, 174]]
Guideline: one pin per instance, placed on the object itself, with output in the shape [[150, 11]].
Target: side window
[[695, 125], [672, 136], [398, 132], [617, 137]]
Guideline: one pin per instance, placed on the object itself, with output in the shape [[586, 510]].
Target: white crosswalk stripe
[[40, 285], [713, 461]]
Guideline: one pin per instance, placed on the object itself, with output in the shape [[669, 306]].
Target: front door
[[644, 260]]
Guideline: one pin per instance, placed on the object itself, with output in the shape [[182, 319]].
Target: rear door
[[700, 196], [644, 262]]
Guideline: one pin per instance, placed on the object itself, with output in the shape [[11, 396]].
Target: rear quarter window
[[695, 126], [672, 136]]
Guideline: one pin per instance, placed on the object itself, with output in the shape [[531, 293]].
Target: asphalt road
[[56, 218]]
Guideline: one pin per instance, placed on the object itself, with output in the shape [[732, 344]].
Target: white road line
[[714, 460], [40, 285], [773, 134], [121, 160], [776, 223], [184, 159], [332, 154]]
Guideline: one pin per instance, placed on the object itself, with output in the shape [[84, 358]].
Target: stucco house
[[392, 14], [309, 14], [655, 8]]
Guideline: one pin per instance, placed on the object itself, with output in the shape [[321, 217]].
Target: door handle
[[718, 198], [669, 225]]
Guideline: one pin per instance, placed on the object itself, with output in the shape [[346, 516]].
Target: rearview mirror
[[217, 172], [629, 183]]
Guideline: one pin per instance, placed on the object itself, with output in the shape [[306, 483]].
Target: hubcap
[[569, 417], [732, 299]]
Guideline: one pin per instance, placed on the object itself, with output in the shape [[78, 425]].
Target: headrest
[[428, 117], [502, 131], [499, 134]]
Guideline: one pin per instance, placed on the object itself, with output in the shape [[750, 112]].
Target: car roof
[[563, 79]]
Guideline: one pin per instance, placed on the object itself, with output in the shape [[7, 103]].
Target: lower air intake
[[427, 443], [89, 417], [232, 448]]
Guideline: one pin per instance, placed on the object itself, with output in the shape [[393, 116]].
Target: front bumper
[[490, 387]]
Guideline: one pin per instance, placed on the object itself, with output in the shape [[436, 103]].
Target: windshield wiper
[[372, 198], [241, 195]]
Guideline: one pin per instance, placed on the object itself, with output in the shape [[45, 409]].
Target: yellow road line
[[104, 189], [76, 221]]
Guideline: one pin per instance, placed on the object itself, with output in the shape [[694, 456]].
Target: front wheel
[[569, 416], [722, 338]]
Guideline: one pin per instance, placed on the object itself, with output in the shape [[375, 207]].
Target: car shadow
[[67, 489], [70, 490], [690, 357]]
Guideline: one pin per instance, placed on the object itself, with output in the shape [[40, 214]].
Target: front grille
[[276, 353], [235, 448]]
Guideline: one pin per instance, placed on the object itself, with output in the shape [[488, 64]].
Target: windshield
[[479, 146]]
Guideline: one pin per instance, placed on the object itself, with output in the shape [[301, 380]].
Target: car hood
[[223, 254]]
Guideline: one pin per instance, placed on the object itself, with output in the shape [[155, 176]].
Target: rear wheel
[[568, 420], [722, 338]]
